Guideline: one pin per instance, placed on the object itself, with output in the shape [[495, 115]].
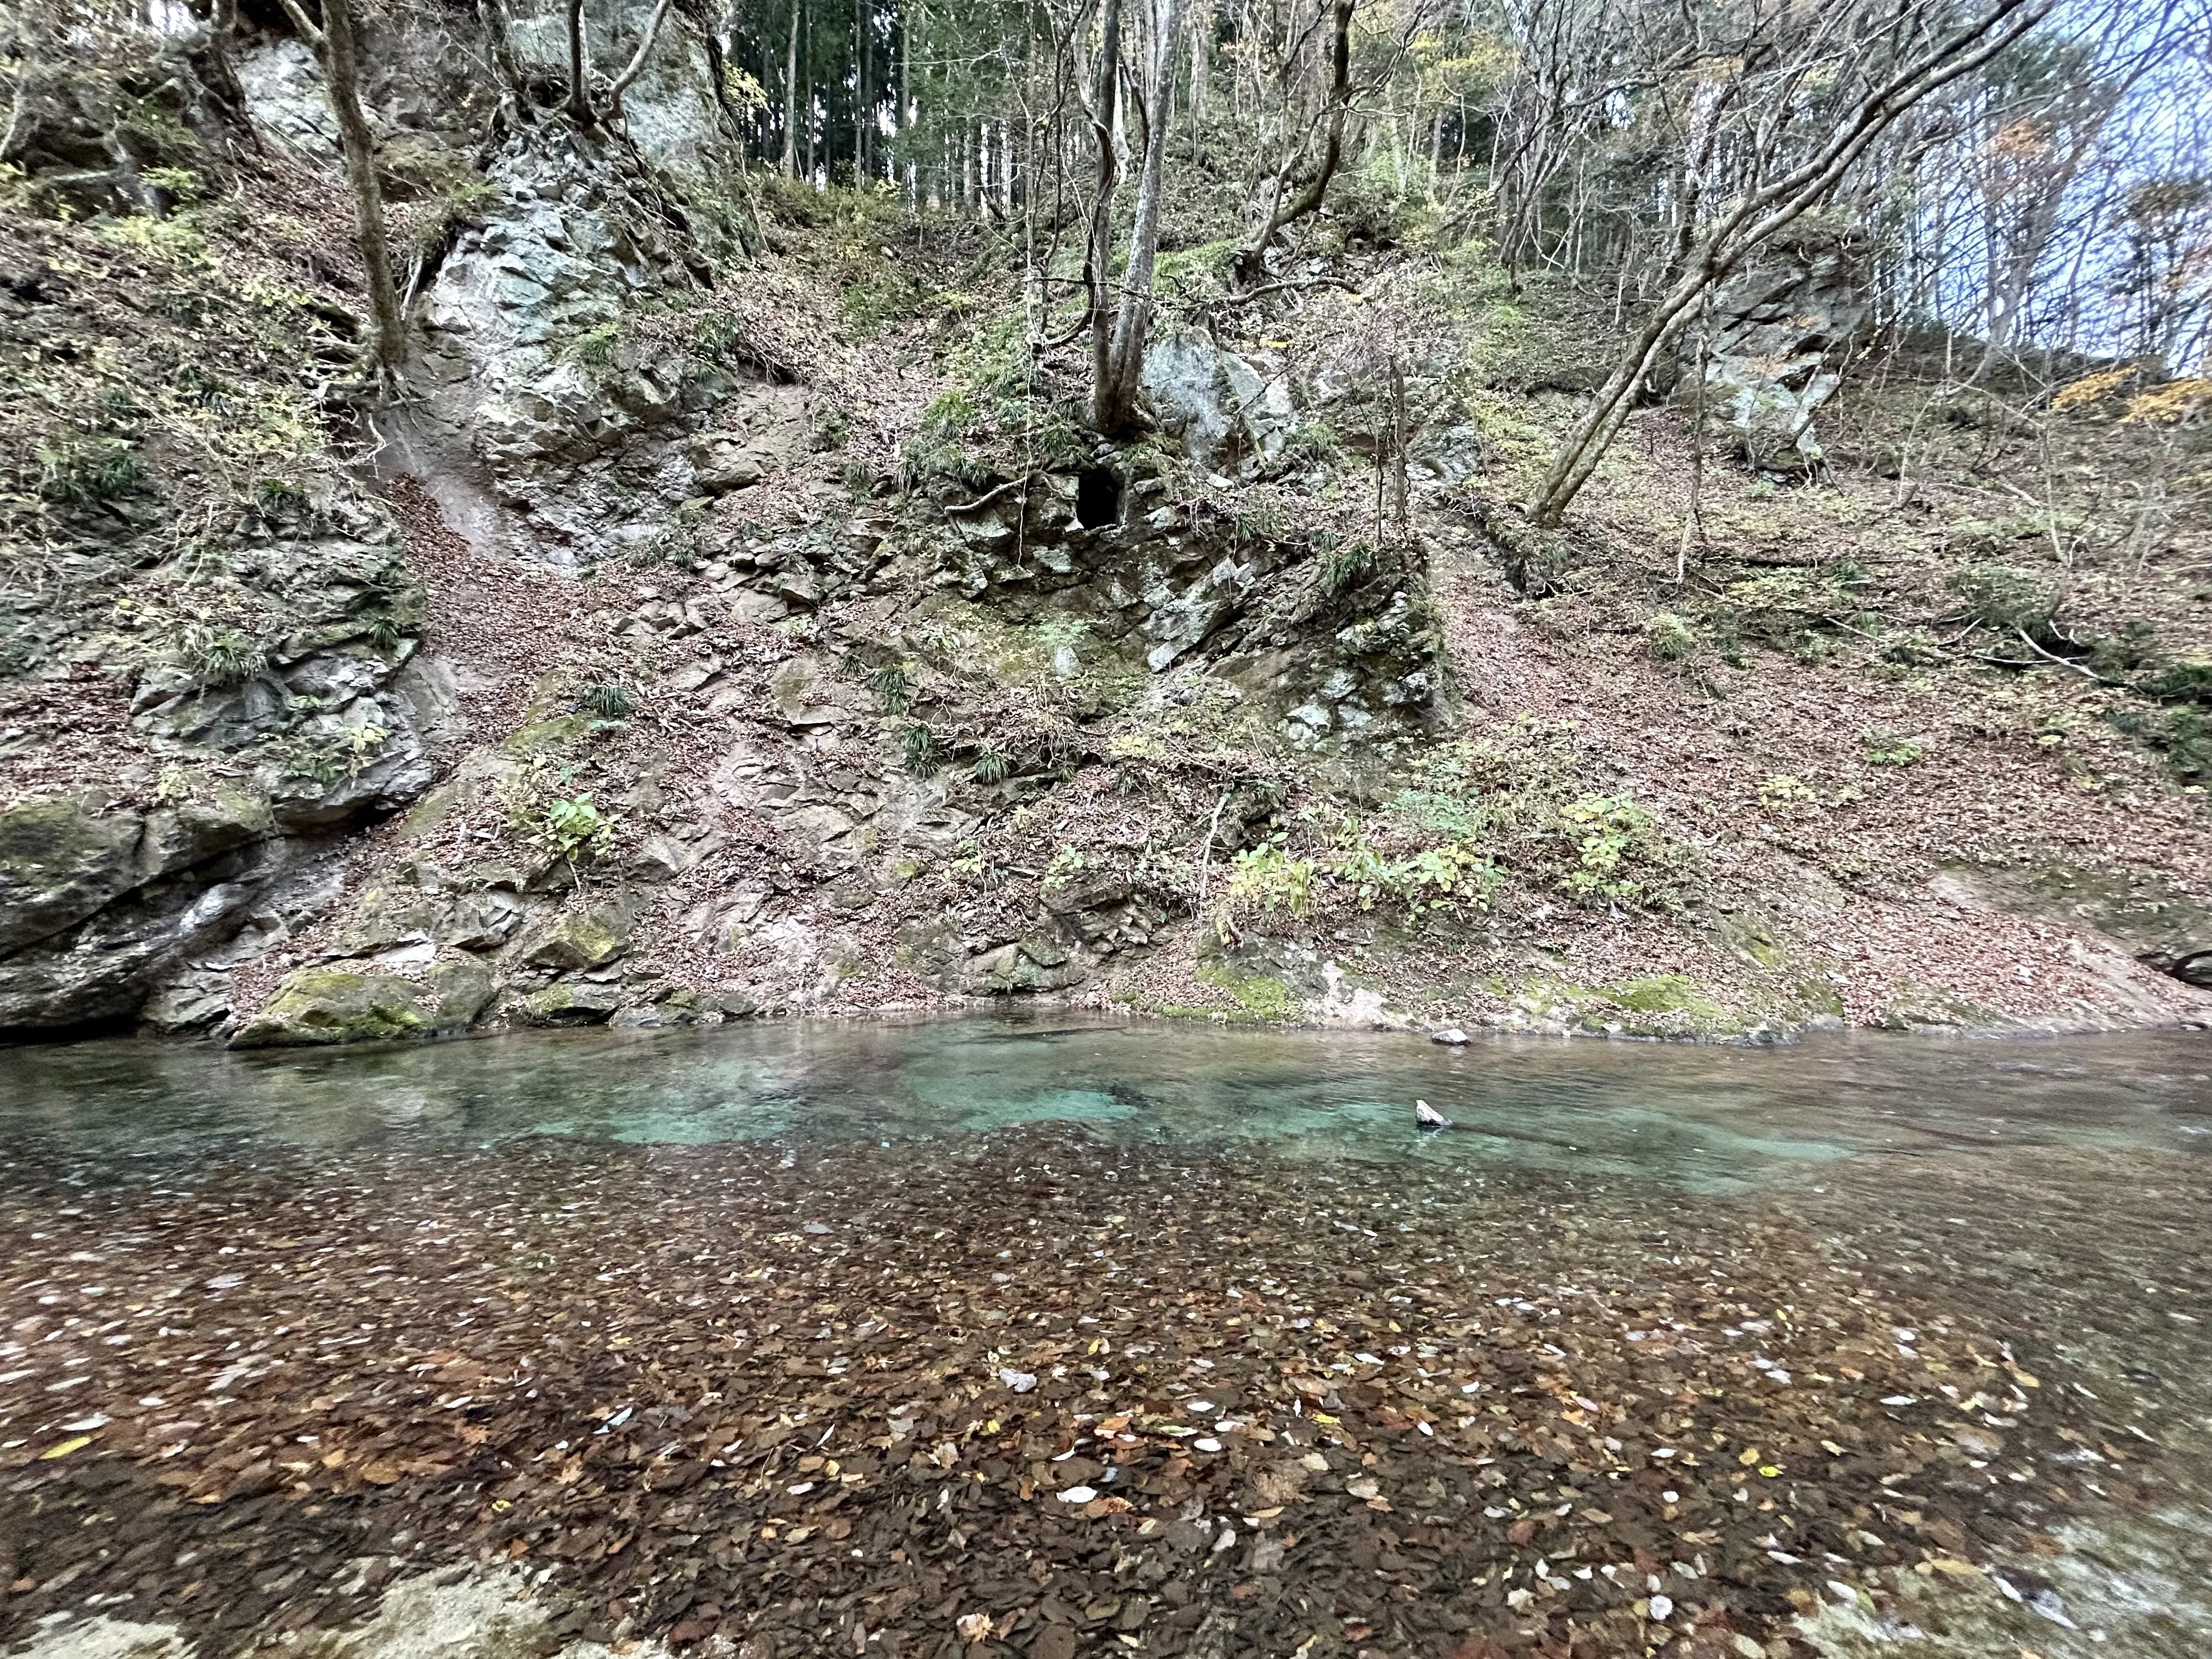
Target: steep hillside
[[734, 618]]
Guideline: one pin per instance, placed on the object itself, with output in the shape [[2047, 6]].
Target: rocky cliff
[[729, 620]]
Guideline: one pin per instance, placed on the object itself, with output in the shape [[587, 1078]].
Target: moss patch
[[318, 1006], [1261, 997]]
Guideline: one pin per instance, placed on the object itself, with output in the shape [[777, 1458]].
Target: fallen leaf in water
[[77, 1443]]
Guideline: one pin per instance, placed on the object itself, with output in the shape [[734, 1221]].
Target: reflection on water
[[1703, 1119]]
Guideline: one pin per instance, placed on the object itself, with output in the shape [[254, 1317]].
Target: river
[[1046, 1335]]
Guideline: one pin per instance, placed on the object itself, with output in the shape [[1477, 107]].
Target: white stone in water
[[1450, 1035], [1662, 1608], [1078, 1495]]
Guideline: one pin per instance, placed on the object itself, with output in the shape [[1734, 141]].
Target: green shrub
[[1618, 843], [83, 473], [1669, 637], [608, 702], [1263, 880], [2010, 599], [991, 766], [1884, 751], [1454, 875]]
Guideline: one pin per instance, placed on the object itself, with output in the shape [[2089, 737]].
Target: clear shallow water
[[2050, 1194], [1704, 1118]]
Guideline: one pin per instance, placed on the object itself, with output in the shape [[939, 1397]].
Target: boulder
[[583, 938], [61, 860], [1778, 334], [1029, 965], [322, 1005], [578, 1003]]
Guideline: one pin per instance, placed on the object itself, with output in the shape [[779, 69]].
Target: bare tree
[[1114, 393], [1756, 214], [1280, 208], [1097, 255], [579, 69], [335, 43], [635, 67]]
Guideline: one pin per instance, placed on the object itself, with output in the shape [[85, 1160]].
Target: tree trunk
[[790, 162], [1096, 276], [1281, 213], [579, 86], [1114, 400], [335, 46], [863, 82], [1760, 215], [635, 67]]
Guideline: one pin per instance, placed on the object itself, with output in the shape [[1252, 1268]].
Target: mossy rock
[[582, 938], [581, 1003], [322, 1005], [61, 860], [542, 737], [463, 987], [1258, 996], [1666, 993]]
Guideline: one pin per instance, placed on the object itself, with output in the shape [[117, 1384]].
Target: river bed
[[1049, 1336]]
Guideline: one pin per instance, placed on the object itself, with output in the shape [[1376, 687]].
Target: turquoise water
[[1706, 1119], [2051, 1190]]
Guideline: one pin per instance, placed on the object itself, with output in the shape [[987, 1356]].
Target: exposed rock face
[[324, 725], [1229, 413], [1781, 328], [1338, 652]]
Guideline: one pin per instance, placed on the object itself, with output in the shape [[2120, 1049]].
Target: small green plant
[[116, 406], [918, 743], [608, 702], [1341, 566], [216, 655], [180, 184], [991, 766], [595, 347], [2008, 599], [384, 631], [324, 759], [1884, 751], [1452, 875], [717, 335], [892, 688], [1066, 861], [1781, 791], [1312, 443], [84, 474], [1266, 878], [541, 806], [1615, 837], [1669, 637], [276, 498], [574, 823]]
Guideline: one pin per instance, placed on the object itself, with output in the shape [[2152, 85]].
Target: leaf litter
[[1035, 1394]]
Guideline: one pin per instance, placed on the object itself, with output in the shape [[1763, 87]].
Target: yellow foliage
[[2091, 388], [2172, 403]]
